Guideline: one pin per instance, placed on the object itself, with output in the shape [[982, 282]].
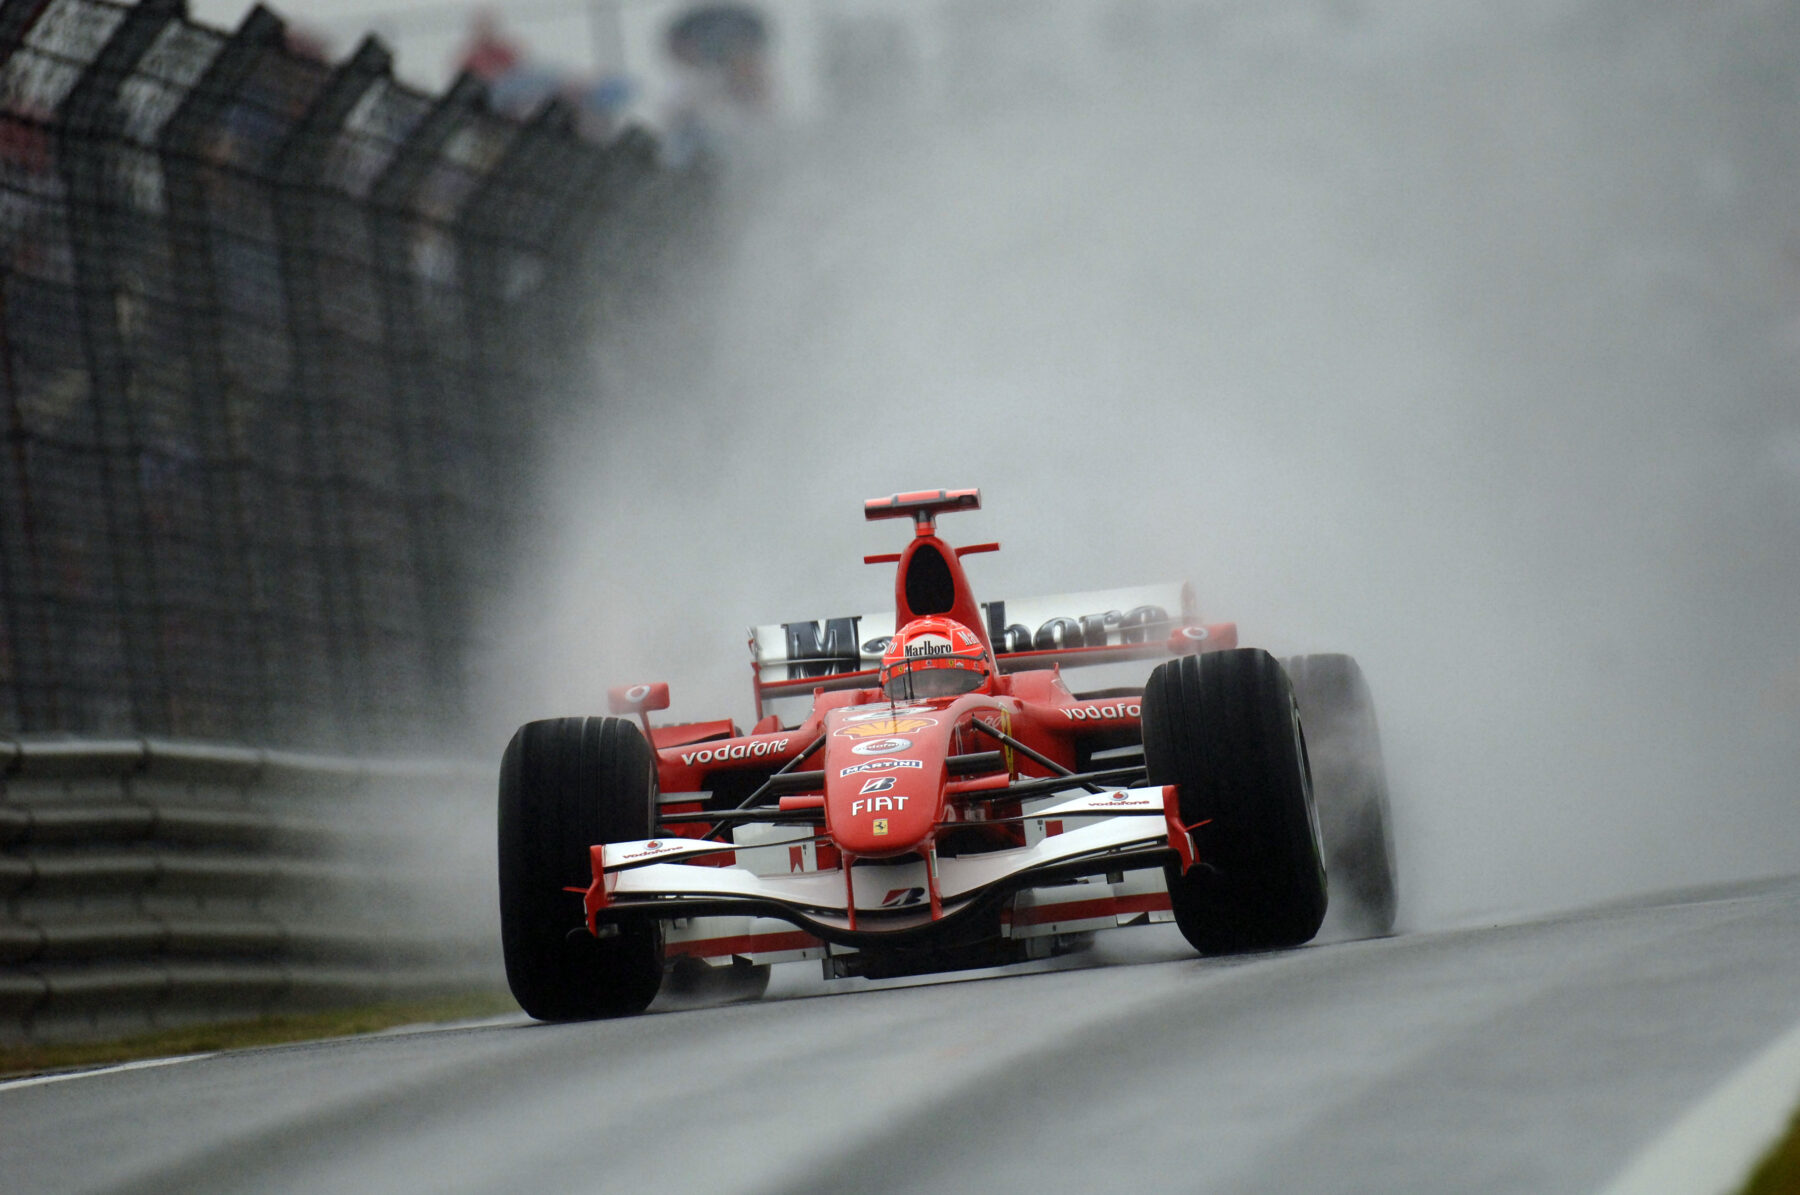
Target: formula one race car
[[947, 802]]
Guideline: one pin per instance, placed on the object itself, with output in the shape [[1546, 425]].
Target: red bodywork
[[923, 785]]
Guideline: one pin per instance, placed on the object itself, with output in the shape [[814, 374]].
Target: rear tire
[[1350, 786], [566, 784], [1222, 728]]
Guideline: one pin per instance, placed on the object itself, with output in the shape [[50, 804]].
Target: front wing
[[900, 901]]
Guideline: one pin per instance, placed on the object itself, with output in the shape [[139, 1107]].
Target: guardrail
[[146, 883]]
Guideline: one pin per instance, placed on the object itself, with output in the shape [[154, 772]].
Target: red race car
[[946, 802]]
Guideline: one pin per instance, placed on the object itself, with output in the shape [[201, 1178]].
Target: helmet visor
[[916, 683]]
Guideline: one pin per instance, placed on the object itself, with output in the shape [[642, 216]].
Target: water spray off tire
[[1351, 789], [566, 784], [1223, 728]]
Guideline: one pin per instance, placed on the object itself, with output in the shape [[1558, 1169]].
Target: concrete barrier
[[147, 883]]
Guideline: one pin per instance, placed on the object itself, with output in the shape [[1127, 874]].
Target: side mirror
[[1190, 640], [638, 699]]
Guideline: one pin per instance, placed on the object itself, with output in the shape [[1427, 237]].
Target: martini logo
[[885, 726], [881, 746], [880, 765]]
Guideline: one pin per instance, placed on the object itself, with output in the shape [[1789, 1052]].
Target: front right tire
[[1222, 727], [565, 785]]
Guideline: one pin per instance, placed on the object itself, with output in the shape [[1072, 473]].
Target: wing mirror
[[639, 700], [1191, 640]]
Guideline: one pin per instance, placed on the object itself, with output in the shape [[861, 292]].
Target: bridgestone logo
[[725, 754], [1090, 713]]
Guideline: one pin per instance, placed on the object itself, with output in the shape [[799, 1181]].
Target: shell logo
[[882, 727]]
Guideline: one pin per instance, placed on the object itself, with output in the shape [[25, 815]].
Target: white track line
[[62, 1076], [1710, 1150], [397, 1031]]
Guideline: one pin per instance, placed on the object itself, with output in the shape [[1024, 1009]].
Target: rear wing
[[1106, 626]]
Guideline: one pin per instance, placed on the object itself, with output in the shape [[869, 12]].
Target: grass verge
[[30, 1059], [1779, 1171]]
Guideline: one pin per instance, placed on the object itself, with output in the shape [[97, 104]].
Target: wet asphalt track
[[1534, 1058]]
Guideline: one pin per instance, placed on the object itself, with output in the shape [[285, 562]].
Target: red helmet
[[934, 657]]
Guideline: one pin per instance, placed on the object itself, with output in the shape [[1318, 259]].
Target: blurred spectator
[[720, 55], [518, 87], [489, 54], [310, 44]]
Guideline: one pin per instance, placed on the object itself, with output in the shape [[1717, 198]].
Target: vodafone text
[[1080, 713], [753, 750]]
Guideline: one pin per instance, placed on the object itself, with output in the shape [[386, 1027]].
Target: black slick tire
[[566, 784], [1222, 728], [1351, 788]]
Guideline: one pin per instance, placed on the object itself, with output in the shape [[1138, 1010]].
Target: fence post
[[404, 248], [231, 145], [505, 266], [16, 20], [298, 196], [87, 122], [66, 479], [27, 631], [181, 148]]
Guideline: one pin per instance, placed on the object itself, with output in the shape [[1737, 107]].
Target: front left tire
[[565, 785]]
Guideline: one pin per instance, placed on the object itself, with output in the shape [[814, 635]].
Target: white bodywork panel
[[1124, 818]]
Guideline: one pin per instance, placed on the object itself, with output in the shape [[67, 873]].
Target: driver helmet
[[934, 657]]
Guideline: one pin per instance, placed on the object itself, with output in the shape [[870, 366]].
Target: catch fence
[[279, 339]]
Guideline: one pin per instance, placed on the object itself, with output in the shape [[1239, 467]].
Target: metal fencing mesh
[[278, 340]]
